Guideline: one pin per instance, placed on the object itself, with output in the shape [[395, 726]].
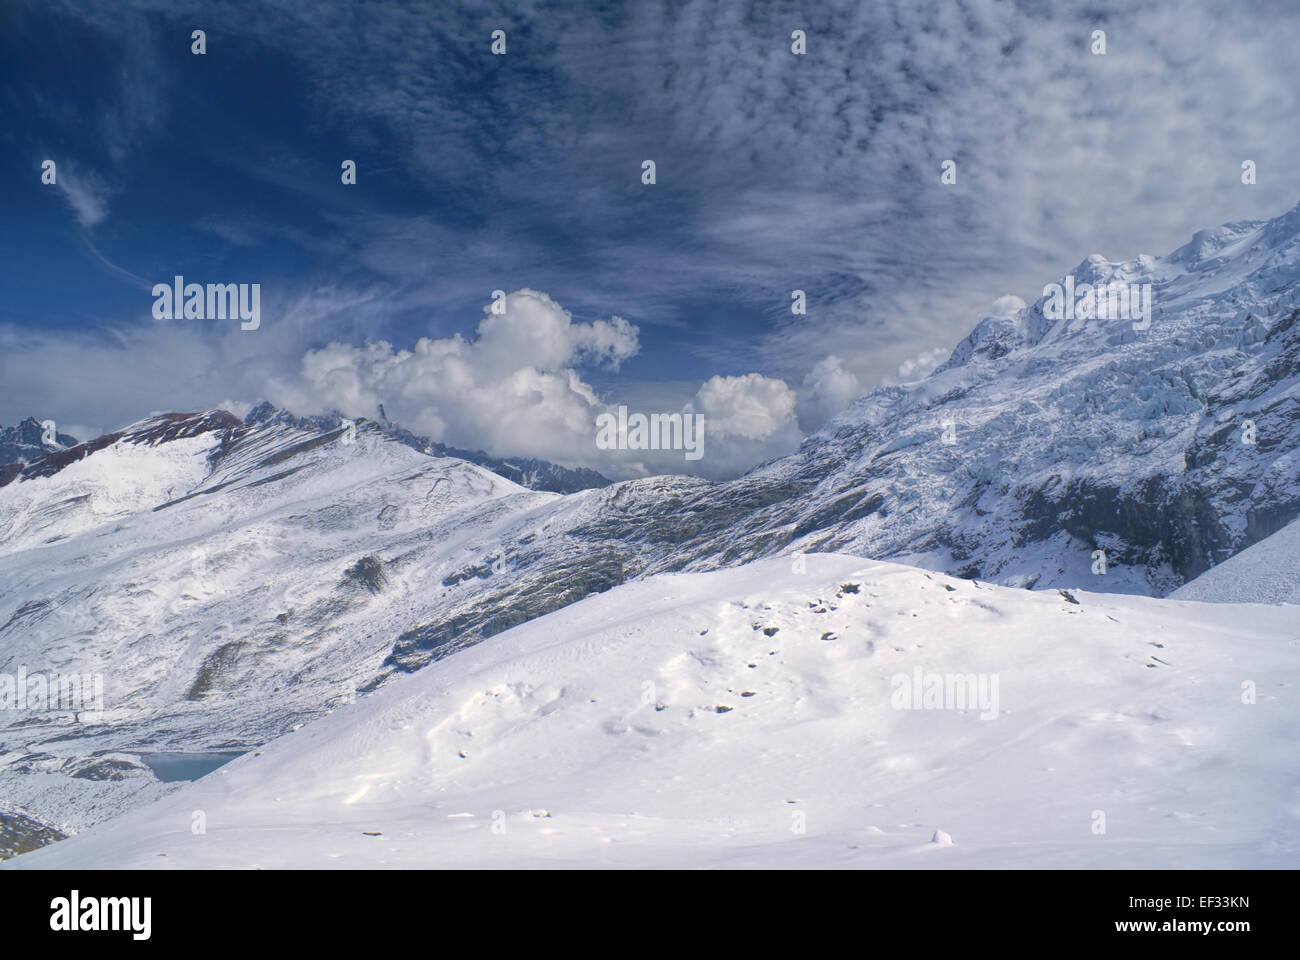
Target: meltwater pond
[[170, 767]]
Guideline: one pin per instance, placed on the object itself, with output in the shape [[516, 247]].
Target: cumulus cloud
[[747, 419], [828, 388], [512, 389], [752, 407]]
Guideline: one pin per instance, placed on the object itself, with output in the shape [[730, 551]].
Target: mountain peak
[[1001, 330], [157, 429], [27, 441]]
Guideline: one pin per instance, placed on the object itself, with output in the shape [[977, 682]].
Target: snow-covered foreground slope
[[749, 718], [1268, 572]]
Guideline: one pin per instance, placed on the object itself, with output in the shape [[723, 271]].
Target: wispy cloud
[[775, 171], [85, 193]]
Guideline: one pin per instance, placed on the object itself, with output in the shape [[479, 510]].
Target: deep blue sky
[[478, 172]]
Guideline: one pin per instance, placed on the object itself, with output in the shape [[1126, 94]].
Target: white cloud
[[828, 388], [1007, 305], [915, 368], [114, 375], [514, 389], [752, 407], [747, 419], [85, 193], [510, 390]]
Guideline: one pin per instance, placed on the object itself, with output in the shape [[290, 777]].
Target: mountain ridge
[[20, 448]]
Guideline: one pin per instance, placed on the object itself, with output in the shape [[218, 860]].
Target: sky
[[523, 172]]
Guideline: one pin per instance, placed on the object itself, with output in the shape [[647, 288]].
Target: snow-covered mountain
[[760, 717], [223, 579], [526, 471], [30, 440], [1072, 436], [233, 579]]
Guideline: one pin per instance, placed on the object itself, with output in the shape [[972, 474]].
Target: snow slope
[[743, 718], [224, 581], [1268, 572]]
